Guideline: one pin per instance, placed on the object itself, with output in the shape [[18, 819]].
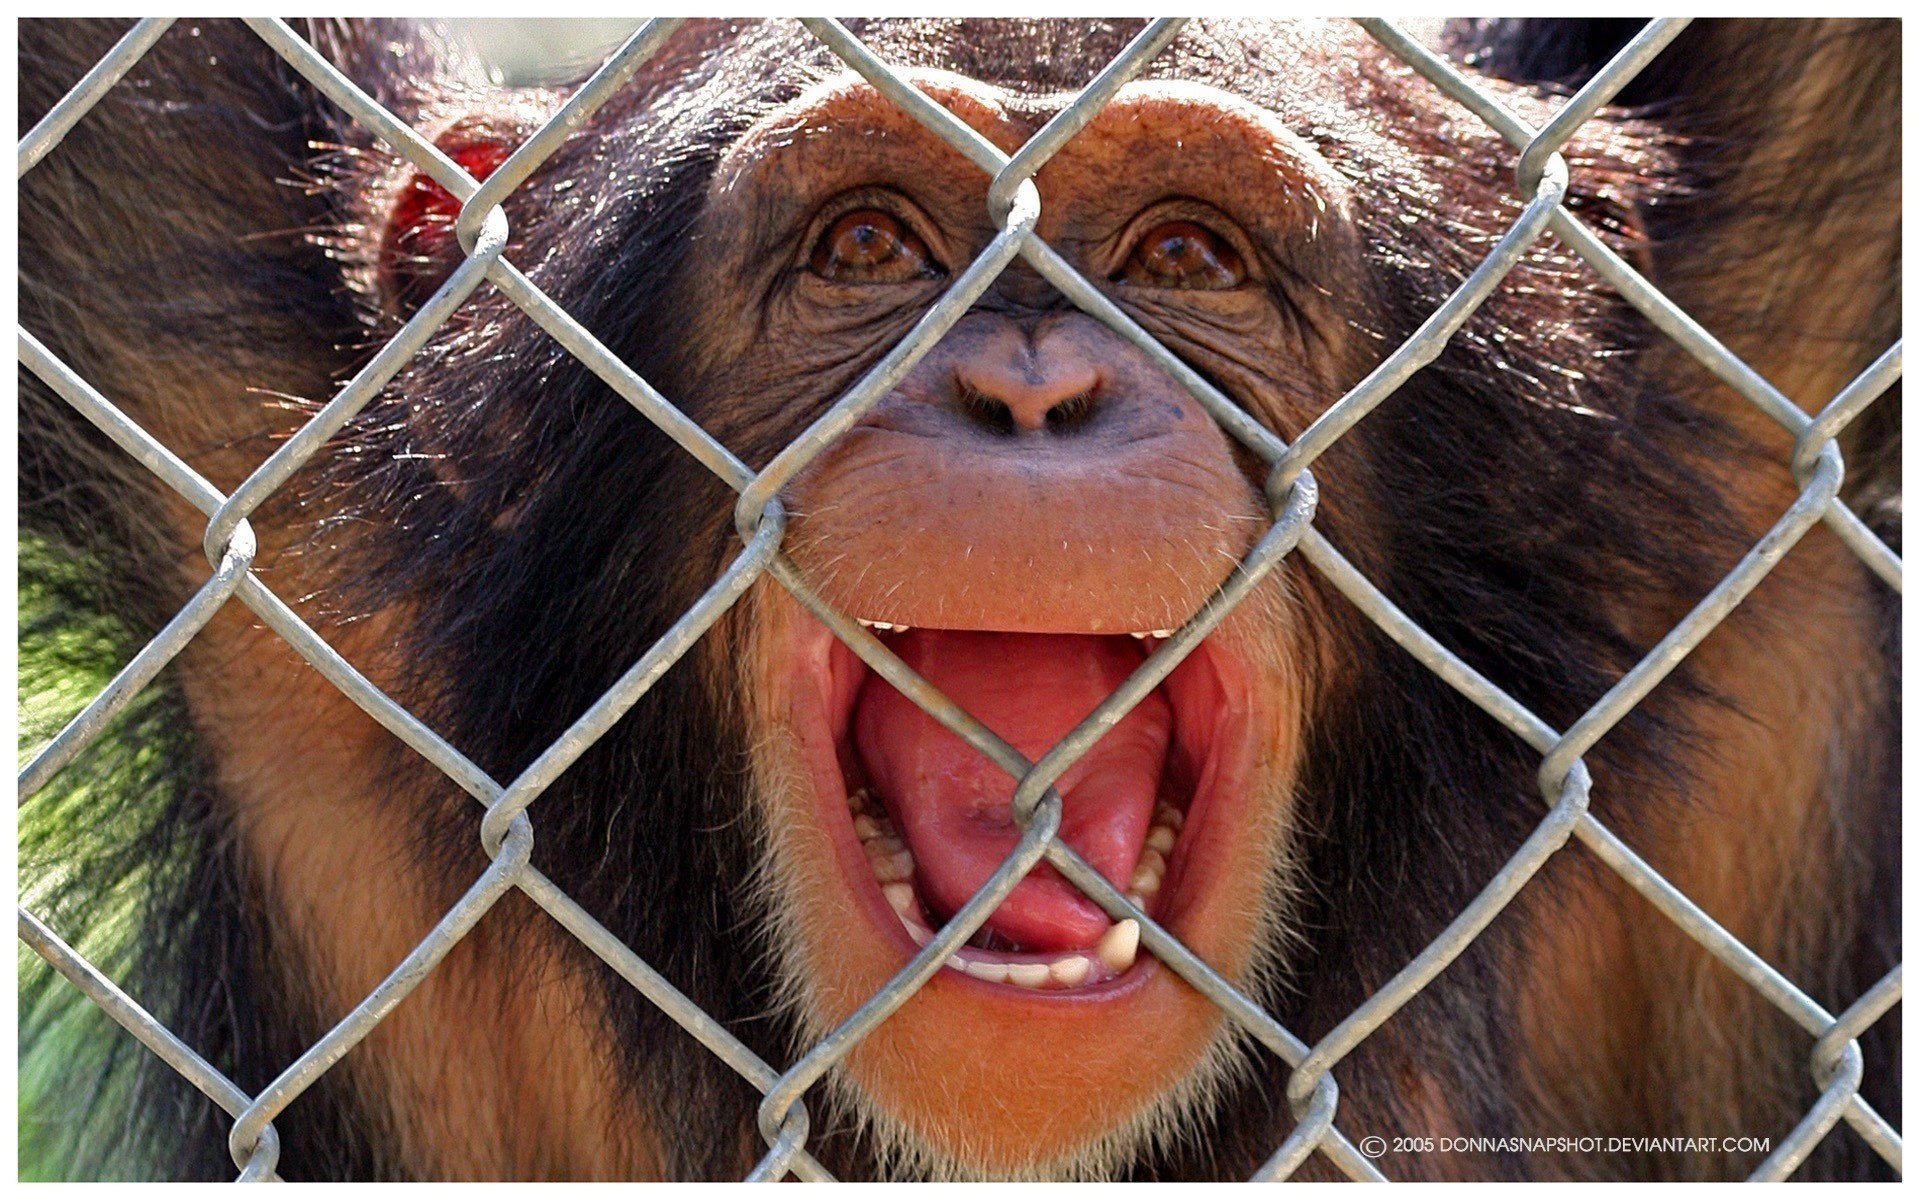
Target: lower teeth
[[893, 868]]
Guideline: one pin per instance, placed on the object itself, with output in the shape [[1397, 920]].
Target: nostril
[[1071, 413], [996, 416], [990, 414]]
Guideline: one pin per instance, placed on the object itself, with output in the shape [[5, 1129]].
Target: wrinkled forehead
[[846, 123], [845, 128]]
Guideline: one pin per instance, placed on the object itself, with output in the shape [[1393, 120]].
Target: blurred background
[[525, 51]]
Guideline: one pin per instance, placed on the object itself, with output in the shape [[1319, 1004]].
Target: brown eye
[[870, 246], [1181, 254]]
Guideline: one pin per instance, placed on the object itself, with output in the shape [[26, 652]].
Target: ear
[[417, 247], [414, 243]]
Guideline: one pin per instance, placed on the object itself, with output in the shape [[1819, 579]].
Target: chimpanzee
[[750, 226]]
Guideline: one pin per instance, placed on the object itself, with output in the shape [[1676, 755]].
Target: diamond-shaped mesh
[[507, 829]]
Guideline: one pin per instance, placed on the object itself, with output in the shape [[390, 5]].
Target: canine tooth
[[1028, 975], [992, 972], [900, 895], [1161, 839], [1119, 945], [900, 628], [1070, 971], [1142, 634], [864, 621]]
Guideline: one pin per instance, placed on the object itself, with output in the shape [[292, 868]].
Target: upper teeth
[[1151, 870], [889, 627], [893, 868]]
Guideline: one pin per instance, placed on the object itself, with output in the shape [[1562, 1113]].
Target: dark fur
[[1506, 513]]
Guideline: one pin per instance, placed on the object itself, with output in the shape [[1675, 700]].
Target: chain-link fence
[[507, 828]]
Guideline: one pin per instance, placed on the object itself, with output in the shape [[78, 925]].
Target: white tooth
[[1028, 975], [864, 621], [1119, 945], [864, 828], [1071, 971], [1169, 816], [881, 625], [956, 962], [1136, 899], [920, 934], [992, 972], [894, 868], [1147, 876], [900, 895], [1161, 839], [1163, 633], [900, 628], [1139, 633]]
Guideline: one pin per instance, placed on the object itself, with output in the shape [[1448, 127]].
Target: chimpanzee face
[[1022, 519]]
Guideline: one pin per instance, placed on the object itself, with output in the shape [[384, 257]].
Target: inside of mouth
[[934, 816]]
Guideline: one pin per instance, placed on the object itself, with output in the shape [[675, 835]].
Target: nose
[[1026, 447], [1018, 380]]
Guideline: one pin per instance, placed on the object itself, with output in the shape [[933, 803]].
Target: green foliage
[[78, 870]]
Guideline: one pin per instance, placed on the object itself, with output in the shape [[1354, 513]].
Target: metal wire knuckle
[[514, 828], [262, 1159], [485, 238], [1313, 1125]]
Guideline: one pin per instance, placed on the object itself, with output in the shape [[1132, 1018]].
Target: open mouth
[[920, 819]]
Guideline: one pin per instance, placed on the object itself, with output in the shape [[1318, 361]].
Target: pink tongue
[[954, 807]]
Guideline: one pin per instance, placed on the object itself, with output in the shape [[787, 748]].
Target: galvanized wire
[[506, 829]]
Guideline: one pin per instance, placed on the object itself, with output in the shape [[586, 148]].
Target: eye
[[870, 246], [1181, 254]]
